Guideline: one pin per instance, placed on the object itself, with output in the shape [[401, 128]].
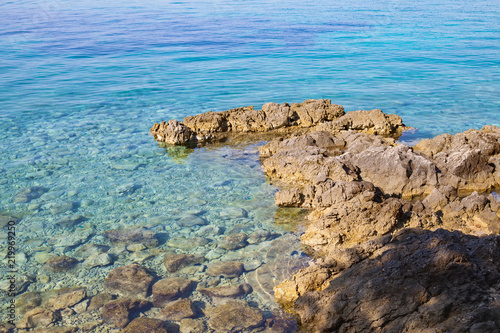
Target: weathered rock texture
[[363, 189], [274, 118], [404, 239]]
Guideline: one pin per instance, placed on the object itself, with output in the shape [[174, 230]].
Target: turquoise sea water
[[81, 83]]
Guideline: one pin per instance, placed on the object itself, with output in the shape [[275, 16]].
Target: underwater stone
[[37, 317], [259, 236], [146, 325], [233, 213], [229, 269], [191, 221], [98, 260], [29, 193], [118, 312], [71, 297], [227, 291], [60, 263], [169, 289], [132, 280], [70, 221], [234, 242], [189, 325], [132, 235], [175, 261], [187, 243], [177, 310], [234, 316], [99, 300]]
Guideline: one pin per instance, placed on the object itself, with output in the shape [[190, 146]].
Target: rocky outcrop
[[417, 281], [404, 239], [362, 190], [274, 118]]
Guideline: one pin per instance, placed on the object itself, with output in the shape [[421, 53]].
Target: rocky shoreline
[[404, 238]]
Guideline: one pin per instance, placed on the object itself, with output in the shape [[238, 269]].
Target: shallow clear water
[[81, 83]]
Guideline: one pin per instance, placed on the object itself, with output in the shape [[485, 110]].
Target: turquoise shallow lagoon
[[81, 83]]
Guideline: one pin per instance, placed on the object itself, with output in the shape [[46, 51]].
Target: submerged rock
[[177, 310], [234, 316], [146, 325], [119, 312], [169, 289], [132, 235], [175, 261], [132, 281], [229, 269], [37, 317], [61, 263]]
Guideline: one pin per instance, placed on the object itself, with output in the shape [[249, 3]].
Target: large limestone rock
[[131, 281], [217, 125], [419, 280]]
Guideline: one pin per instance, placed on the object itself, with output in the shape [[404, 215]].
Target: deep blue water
[[81, 83]]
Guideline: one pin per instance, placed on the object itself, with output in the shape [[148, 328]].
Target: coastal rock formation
[[403, 238], [419, 280]]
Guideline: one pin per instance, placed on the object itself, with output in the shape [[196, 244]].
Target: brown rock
[[234, 316], [173, 133], [229, 269], [132, 235], [99, 300], [289, 198], [169, 289], [177, 310], [146, 325], [437, 272], [37, 317], [60, 263], [192, 326], [175, 261], [66, 300], [118, 312], [227, 291], [234, 241], [132, 280]]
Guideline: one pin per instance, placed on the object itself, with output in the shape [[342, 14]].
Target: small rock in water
[[43, 257], [126, 189], [132, 235], [177, 310], [60, 263], [234, 242], [118, 312], [146, 325], [175, 261], [70, 221], [169, 289], [98, 260], [209, 231], [136, 247], [67, 297], [37, 317], [229, 269], [234, 316], [215, 254], [99, 300], [29, 193], [259, 236], [233, 213], [62, 207], [132, 280], [227, 291], [86, 203], [252, 265], [189, 325], [191, 221], [69, 241]]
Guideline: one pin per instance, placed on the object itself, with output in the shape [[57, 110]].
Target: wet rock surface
[[169, 289], [132, 280], [234, 316], [146, 325]]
